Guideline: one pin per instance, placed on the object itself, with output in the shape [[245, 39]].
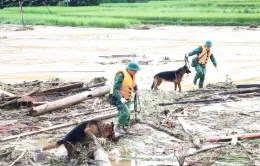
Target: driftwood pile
[[47, 97]]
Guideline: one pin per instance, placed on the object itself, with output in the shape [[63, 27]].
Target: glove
[[137, 92], [123, 101], [217, 69]]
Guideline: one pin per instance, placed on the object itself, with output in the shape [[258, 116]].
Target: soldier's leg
[[202, 78], [199, 73], [124, 115]]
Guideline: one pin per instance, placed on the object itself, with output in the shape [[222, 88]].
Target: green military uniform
[[123, 112], [201, 69], [124, 115]]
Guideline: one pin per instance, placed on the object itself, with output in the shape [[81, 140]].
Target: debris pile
[[192, 119]]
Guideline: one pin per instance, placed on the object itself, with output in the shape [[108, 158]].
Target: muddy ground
[[72, 54]]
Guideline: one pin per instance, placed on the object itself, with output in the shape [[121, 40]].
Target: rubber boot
[[201, 81]]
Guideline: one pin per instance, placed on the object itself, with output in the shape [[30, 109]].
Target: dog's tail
[[55, 145], [152, 84]]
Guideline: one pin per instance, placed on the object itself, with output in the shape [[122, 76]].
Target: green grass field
[[124, 15]]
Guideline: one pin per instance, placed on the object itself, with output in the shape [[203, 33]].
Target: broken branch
[[163, 130], [205, 149], [19, 157]]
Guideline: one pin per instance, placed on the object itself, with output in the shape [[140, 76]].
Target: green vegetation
[[124, 15]]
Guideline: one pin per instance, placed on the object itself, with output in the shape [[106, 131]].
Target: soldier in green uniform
[[124, 85], [203, 54]]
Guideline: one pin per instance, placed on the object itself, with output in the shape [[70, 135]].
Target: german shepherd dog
[[87, 129], [170, 76]]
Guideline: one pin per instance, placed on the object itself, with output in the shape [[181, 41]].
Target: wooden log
[[248, 85], [12, 102], [87, 87], [240, 91], [65, 102], [192, 101], [228, 138], [63, 88], [100, 117], [6, 93]]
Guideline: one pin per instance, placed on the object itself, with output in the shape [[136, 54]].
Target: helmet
[[133, 66], [208, 43]]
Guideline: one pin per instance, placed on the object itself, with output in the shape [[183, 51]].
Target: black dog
[[170, 76]]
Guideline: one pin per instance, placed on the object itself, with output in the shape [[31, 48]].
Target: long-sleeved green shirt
[[117, 84], [198, 51]]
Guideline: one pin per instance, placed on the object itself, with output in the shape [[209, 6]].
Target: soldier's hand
[[217, 69], [123, 101]]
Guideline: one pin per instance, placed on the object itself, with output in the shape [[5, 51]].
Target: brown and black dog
[[87, 129], [170, 76]]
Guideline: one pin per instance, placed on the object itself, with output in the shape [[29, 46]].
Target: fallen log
[[248, 85], [101, 117], [12, 102], [6, 93], [65, 102], [16, 103], [240, 91], [192, 101], [63, 88], [87, 87], [228, 138], [248, 95]]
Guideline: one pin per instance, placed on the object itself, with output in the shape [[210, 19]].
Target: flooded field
[[78, 54], [73, 53]]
